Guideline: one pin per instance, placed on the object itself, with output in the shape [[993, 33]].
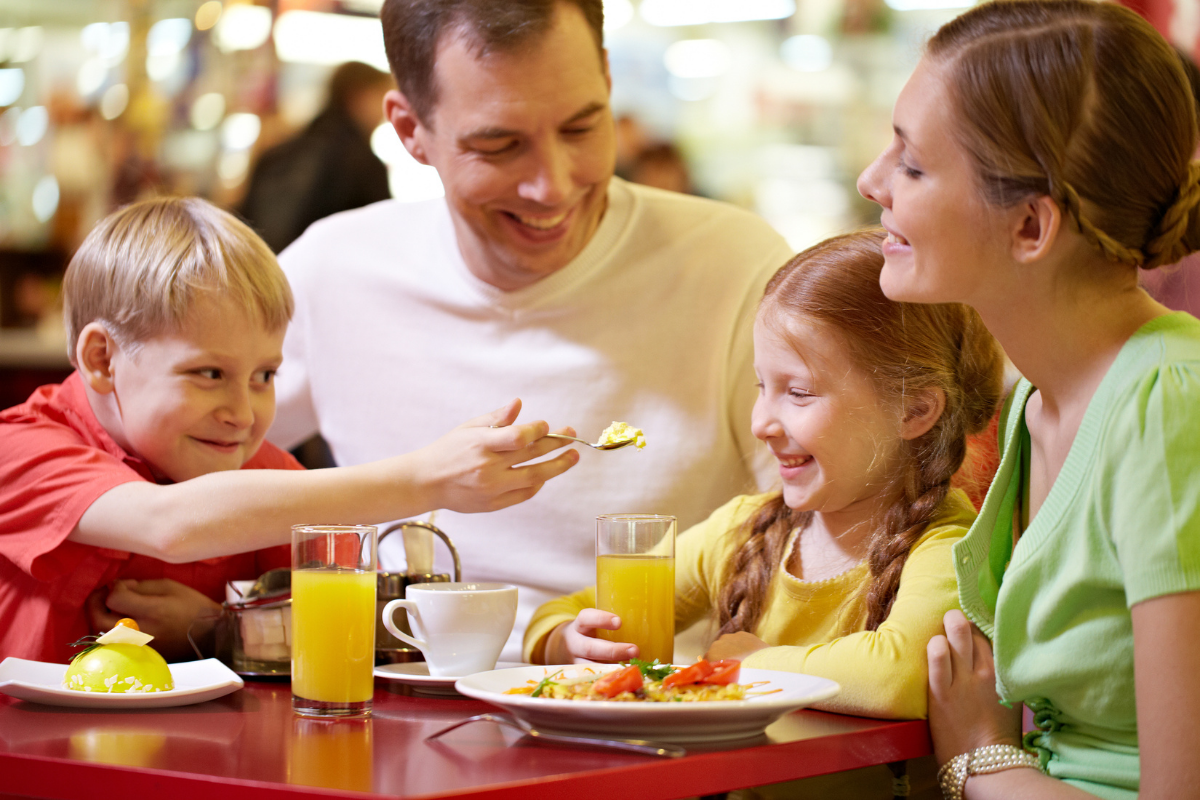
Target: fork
[[632, 745]]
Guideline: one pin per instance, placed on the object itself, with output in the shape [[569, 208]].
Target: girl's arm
[[882, 672], [964, 712], [472, 468]]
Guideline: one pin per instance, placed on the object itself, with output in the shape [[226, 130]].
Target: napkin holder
[[391, 586]]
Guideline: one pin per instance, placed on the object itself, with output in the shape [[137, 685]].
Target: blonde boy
[[142, 483]]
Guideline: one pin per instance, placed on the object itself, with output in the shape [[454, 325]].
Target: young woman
[[1041, 154]]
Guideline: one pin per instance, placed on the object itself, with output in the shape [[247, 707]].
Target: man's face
[[525, 147]]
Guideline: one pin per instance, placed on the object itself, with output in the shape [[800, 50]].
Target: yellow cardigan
[[817, 627]]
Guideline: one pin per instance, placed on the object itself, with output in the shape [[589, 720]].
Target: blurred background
[[774, 105]]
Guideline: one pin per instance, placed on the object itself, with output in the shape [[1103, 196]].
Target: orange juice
[[640, 589], [333, 635]]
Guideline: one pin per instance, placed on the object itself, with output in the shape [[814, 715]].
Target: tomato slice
[[617, 681], [688, 675], [724, 672]]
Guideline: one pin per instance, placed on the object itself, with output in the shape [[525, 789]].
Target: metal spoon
[[606, 446], [632, 745]]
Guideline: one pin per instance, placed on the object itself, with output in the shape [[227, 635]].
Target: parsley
[[544, 683], [651, 669]]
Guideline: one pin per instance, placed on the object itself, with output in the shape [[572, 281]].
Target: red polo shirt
[[55, 461]]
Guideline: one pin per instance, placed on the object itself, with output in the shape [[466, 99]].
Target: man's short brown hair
[[412, 30], [142, 266]]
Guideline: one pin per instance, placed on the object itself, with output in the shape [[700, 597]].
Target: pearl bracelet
[[952, 777]]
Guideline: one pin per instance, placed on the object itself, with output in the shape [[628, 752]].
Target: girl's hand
[[473, 468], [575, 642], [735, 645], [964, 711]]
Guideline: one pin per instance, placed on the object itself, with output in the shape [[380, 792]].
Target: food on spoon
[[620, 432], [118, 662], [640, 681]]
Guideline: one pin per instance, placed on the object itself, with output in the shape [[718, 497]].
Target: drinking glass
[[333, 619], [635, 579]]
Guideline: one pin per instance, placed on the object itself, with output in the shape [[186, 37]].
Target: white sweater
[[394, 342]]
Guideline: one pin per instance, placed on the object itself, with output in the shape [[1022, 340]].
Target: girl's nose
[[763, 423]]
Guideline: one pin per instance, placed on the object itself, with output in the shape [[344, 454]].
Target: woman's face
[[943, 240]]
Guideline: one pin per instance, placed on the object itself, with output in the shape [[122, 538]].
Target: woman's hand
[[964, 711], [575, 641], [163, 608], [735, 645], [474, 467]]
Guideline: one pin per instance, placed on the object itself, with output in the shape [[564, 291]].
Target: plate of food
[[117, 670], [701, 703]]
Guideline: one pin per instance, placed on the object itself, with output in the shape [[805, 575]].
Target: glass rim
[[636, 517], [335, 528]]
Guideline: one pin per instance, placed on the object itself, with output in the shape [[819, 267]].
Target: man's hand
[[575, 642], [163, 608], [964, 711], [735, 645]]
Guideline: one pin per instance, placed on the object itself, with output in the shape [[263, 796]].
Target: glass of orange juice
[[333, 619], [635, 579]]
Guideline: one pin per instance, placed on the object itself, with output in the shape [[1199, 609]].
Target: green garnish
[[88, 643], [651, 669], [546, 681]]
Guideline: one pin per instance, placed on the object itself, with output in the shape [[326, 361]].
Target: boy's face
[[199, 399]]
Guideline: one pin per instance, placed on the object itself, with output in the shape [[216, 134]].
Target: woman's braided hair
[[907, 350], [1085, 103]]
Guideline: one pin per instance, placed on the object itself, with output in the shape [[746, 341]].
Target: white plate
[[195, 682], [717, 720], [416, 674]]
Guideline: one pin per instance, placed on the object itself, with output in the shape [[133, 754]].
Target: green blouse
[[1121, 524]]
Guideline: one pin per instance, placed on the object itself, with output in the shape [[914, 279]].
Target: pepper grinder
[[391, 586]]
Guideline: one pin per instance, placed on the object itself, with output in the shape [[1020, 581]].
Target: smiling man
[[539, 275]]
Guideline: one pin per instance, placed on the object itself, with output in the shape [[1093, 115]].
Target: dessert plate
[[774, 694], [41, 682], [416, 674]]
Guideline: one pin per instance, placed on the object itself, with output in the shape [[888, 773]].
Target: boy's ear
[[922, 412], [1037, 222], [94, 352], [399, 112]]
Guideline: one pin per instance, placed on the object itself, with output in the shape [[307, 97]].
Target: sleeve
[[295, 415], [1151, 484], [49, 478], [883, 673]]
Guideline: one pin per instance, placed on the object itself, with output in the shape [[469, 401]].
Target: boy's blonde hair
[[142, 266]]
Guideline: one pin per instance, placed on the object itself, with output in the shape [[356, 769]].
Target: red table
[[250, 745]]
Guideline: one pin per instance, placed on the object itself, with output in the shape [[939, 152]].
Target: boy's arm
[[472, 468]]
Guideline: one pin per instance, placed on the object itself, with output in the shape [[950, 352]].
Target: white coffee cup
[[459, 627]]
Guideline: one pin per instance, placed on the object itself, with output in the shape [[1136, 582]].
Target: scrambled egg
[[620, 431]]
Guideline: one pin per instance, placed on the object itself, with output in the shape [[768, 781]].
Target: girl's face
[[942, 237], [836, 441]]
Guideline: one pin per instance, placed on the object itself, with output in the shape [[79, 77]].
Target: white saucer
[[416, 674]]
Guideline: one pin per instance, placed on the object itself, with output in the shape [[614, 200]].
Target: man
[[538, 276]]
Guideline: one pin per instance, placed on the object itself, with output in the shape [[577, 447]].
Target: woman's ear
[[94, 352], [922, 413], [1036, 225]]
